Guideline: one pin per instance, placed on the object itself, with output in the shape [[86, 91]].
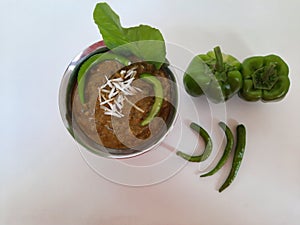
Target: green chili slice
[[87, 65], [158, 92], [208, 145], [238, 156], [227, 150]]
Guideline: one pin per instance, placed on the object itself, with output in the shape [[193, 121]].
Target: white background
[[43, 178]]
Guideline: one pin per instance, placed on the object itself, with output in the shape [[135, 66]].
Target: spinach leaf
[[142, 41], [147, 43], [109, 25]]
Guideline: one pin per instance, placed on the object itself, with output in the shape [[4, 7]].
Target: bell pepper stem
[[270, 70], [219, 59], [265, 77]]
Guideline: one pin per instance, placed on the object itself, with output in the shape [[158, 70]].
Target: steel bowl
[[65, 105]]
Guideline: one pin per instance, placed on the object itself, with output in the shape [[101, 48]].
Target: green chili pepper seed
[[158, 92], [87, 65], [227, 150], [238, 156], [208, 146]]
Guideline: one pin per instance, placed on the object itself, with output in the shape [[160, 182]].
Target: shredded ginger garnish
[[113, 93]]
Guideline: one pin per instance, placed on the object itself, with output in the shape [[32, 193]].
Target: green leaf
[[142, 41], [109, 25], [147, 43]]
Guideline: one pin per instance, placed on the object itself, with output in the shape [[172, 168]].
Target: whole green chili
[[208, 145], [87, 65], [158, 92], [227, 150], [238, 156]]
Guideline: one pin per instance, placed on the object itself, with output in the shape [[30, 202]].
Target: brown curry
[[125, 131]]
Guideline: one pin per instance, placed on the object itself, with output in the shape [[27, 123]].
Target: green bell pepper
[[265, 78], [214, 74]]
